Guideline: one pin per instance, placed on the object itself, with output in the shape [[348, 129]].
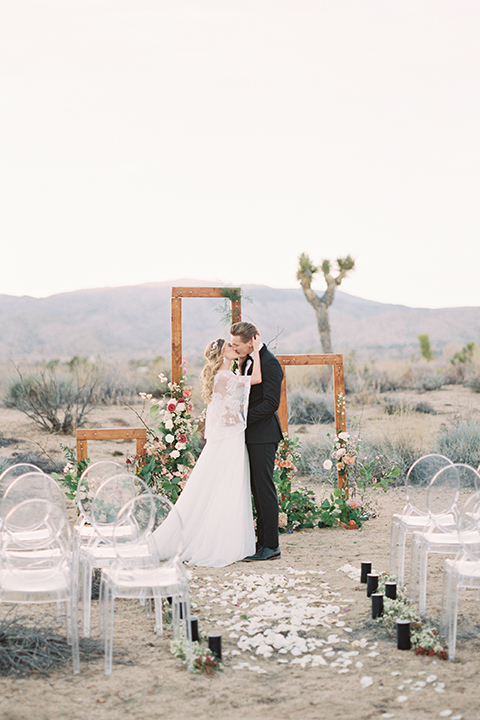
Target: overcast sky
[[152, 140]]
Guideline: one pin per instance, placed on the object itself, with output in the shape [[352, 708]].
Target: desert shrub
[[396, 407], [460, 442], [308, 407], [474, 383], [58, 403], [30, 458], [426, 408]]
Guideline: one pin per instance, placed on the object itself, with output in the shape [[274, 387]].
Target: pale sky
[[151, 140]]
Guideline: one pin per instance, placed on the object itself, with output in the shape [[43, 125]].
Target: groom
[[262, 435]]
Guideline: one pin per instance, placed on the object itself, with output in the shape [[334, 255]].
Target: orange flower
[[352, 523]]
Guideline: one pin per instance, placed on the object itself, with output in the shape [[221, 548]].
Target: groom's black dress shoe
[[263, 554]]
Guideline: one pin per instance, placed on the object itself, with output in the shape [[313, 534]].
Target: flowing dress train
[[215, 506]]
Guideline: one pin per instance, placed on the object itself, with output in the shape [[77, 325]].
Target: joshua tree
[[306, 271]]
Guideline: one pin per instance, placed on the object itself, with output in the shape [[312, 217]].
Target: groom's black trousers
[[262, 461]]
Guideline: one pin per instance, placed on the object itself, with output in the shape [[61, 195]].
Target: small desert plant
[[461, 442], [425, 347], [307, 407]]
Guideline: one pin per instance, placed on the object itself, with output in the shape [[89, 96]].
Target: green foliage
[[425, 347], [306, 269], [297, 507], [465, 355], [352, 504], [424, 636], [71, 472]]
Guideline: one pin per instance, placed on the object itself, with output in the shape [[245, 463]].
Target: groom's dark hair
[[244, 330]]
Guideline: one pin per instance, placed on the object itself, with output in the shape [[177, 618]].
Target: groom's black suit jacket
[[263, 423]]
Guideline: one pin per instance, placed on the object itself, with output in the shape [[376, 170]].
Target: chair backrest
[[109, 499], [13, 472], [418, 479], [443, 494], [90, 480], [32, 486], [134, 522]]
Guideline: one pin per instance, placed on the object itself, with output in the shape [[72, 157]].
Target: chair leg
[[86, 597], [393, 546], [109, 603], [157, 604], [452, 634]]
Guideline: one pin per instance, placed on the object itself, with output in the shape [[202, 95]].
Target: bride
[[215, 506]]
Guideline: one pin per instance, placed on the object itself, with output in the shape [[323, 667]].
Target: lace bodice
[[227, 410]]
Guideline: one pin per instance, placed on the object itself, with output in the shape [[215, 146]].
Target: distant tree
[[425, 347], [305, 274]]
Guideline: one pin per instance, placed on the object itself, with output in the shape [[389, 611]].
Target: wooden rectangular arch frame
[[336, 361], [196, 292], [83, 436]]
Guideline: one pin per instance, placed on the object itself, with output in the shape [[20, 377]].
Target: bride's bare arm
[[257, 368]]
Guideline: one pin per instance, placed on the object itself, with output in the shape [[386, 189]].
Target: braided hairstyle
[[214, 355]]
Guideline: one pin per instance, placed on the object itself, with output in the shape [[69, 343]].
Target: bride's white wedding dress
[[215, 505]]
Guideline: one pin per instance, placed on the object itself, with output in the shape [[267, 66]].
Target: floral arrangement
[[424, 636], [203, 660], [297, 508], [71, 472], [169, 456], [351, 504]]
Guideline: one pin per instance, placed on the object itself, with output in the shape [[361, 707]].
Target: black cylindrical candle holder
[[372, 583], [403, 635], [194, 629], [366, 567], [377, 605], [391, 590], [215, 645]]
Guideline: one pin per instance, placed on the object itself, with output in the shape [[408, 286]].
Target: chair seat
[[158, 577], [48, 581]]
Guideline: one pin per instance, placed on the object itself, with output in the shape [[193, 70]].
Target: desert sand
[[353, 669]]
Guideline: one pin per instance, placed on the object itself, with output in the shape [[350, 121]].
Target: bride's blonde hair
[[214, 355]]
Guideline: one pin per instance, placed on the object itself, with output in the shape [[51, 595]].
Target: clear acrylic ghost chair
[[414, 515], [13, 472], [91, 479], [32, 486], [462, 572], [158, 575], [98, 551], [83, 533], [37, 561], [446, 493]]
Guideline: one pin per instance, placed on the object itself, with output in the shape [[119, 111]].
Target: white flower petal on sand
[[445, 713], [431, 678], [366, 681], [402, 698]]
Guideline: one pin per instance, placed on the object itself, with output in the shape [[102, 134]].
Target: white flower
[[169, 424], [180, 446], [343, 435], [327, 465], [169, 438], [180, 407], [174, 454]]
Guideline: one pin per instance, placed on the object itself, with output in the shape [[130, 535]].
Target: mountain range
[[135, 322]]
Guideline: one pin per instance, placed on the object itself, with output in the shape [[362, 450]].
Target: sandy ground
[[354, 670]]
